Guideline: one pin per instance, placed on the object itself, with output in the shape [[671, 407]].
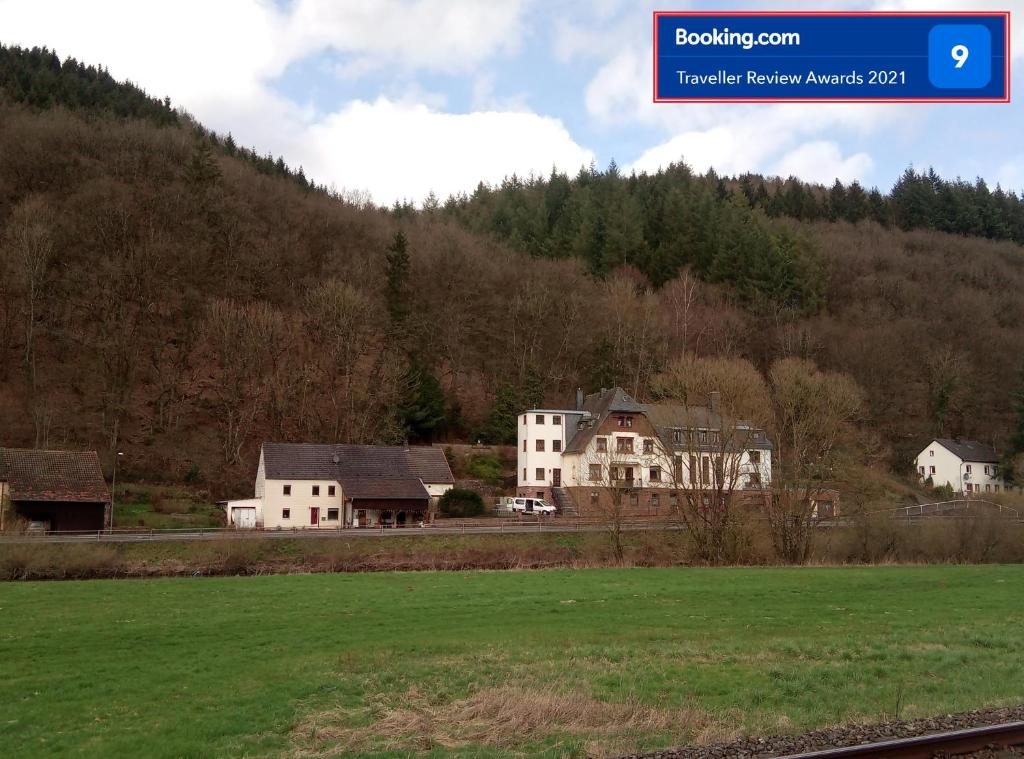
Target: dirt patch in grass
[[505, 717]]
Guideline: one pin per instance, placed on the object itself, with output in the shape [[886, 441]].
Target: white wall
[[299, 503], [530, 459], [577, 466], [949, 468]]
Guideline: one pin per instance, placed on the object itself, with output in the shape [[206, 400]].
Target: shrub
[[460, 502], [486, 468]]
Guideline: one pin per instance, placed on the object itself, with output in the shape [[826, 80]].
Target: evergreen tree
[[423, 410], [202, 171], [397, 291]]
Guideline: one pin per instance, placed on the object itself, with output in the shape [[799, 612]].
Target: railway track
[[950, 743]]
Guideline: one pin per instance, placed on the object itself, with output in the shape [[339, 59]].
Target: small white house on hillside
[[967, 466]]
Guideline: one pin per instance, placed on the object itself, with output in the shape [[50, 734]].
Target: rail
[[443, 527], [927, 746]]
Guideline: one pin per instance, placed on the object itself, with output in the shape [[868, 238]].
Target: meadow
[[494, 664]]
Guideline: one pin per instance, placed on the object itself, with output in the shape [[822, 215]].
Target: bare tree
[[609, 483], [244, 343], [812, 417], [715, 459], [29, 244]]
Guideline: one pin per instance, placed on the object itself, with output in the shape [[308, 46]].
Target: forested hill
[[166, 294], [719, 226]]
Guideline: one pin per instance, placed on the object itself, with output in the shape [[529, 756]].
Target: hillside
[[169, 295]]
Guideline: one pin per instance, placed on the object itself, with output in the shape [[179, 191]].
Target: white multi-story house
[[311, 486], [967, 466], [652, 450]]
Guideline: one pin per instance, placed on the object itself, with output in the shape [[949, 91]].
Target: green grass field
[[495, 663]]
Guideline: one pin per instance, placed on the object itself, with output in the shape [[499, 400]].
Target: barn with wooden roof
[[60, 491]]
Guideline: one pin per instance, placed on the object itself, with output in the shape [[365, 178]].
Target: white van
[[528, 506]]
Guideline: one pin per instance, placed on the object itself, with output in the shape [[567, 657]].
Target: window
[[995, 488], [540, 446], [540, 493], [556, 419], [287, 490], [624, 444], [332, 515], [524, 445], [673, 500], [970, 487], [693, 469], [316, 490], [556, 445], [524, 474], [705, 468], [921, 469], [625, 421], [988, 488], [654, 501], [716, 438], [986, 469], [968, 468], [677, 437], [634, 498], [655, 474], [932, 470], [540, 473], [595, 473], [679, 468], [648, 445], [286, 513], [931, 452], [755, 457], [593, 497], [602, 445], [703, 436], [755, 479], [540, 419], [330, 491]]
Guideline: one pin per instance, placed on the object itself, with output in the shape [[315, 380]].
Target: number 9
[[960, 54]]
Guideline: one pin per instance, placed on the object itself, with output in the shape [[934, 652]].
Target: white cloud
[[219, 59], [401, 150], [1016, 8], [821, 161]]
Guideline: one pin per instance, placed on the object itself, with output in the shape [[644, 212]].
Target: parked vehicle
[[526, 506]]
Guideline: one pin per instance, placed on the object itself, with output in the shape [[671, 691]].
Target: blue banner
[[845, 57]]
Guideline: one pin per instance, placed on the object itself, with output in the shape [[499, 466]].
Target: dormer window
[[625, 421]]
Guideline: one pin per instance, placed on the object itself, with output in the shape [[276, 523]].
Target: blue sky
[[388, 98]]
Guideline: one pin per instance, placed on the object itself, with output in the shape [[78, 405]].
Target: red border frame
[[1006, 79]]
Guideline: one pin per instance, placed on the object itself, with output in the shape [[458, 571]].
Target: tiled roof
[[663, 416], [53, 475], [390, 488], [314, 461], [430, 465], [970, 450]]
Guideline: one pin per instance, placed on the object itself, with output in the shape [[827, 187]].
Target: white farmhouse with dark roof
[[311, 486], [967, 466]]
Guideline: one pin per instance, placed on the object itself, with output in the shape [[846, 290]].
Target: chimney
[[579, 399], [715, 398]]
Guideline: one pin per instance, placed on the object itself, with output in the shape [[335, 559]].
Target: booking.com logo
[[746, 40]]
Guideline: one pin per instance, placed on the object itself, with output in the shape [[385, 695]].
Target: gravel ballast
[[763, 747]]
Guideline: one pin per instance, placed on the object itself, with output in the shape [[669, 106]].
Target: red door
[[314, 516]]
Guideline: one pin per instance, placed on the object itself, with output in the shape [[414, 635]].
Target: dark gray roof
[[67, 476], [390, 488], [315, 461], [668, 417], [599, 405], [664, 417], [970, 450]]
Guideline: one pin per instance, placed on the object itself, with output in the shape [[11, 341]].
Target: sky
[[400, 98]]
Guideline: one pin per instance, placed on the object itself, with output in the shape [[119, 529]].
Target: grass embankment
[[164, 507], [880, 540], [493, 664]]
